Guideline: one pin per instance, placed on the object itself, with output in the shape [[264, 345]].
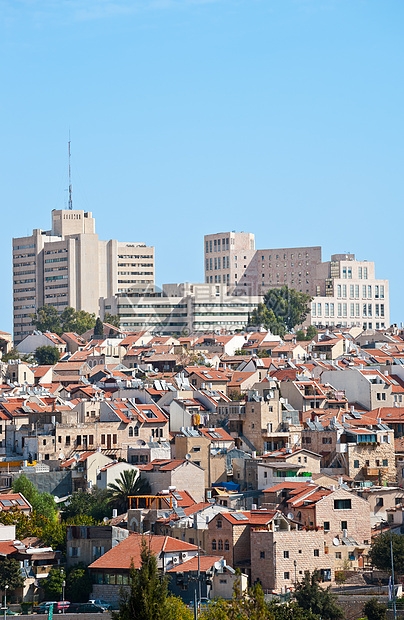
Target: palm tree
[[129, 483]]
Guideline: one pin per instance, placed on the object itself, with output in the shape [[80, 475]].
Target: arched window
[[226, 545], [220, 545], [136, 430], [214, 544], [130, 431]]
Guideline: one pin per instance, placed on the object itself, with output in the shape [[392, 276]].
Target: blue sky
[[187, 117]]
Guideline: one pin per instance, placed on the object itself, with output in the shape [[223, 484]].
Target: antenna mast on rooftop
[[70, 203]]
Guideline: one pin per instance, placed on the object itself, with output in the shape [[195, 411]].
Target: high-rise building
[[70, 266], [231, 258], [349, 295]]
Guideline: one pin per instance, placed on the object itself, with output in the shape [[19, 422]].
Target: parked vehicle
[[101, 603], [58, 607], [85, 608]]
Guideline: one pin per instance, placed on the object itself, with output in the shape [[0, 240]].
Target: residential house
[[180, 473]]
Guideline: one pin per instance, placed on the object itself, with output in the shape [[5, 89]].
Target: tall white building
[[70, 266], [350, 295]]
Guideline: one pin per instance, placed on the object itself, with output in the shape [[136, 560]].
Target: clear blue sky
[[187, 117]]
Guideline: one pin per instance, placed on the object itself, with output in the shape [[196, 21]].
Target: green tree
[[147, 598], [112, 319], [311, 332], [94, 505], [14, 354], [380, 554], [47, 355], [47, 319], [177, 610], [99, 327], [42, 503], [261, 315], [10, 574], [311, 596], [53, 584], [77, 321], [290, 307], [290, 611], [374, 610], [128, 483], [78, 584]]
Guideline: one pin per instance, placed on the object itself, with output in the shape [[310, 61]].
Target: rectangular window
[[67, 440], [369, 291], [215, 245], [360, 273], [344, 309], [356, 464], [339, 309], [376, 309], [210, 246], [262, 555], [351, 291], [342, 504], [103, 439], [356, 291], [316, 553], [385, 463], [219, 262], [344, 525], [364, 291], [357, 310], [215, 263], [114, 439], [364, 309], [326, 309], [326, 526], [286, 575], [318, 309], [369, 309], [349, 273], [344, 291], [331, 310], [313, 309], [382, 310], [365, 273], [352, 308], [286, 554], [381, 291], [344, 273], [338, 290]]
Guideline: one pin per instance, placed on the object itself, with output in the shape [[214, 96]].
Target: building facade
[[181, 308], [70, 266], [231, 258]]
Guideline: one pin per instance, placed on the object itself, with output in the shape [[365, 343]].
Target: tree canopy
[[289, 306], [94, 505], [47, 318], [42, 503], [98, 327], [112, 319], [380, 554], [312, 597], [262, 316], [10, 574], [128, 483], [47, 355]]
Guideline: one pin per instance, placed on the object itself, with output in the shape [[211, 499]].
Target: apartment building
[[347, 293], [231, 258], [70, 266], [181, 308]]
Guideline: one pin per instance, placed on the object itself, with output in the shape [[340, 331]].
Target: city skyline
[[191, 118]]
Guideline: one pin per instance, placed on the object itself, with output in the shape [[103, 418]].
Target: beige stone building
[[231, 258], [70, 266], [279, 558]]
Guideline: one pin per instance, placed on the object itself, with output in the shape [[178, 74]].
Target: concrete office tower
[[349, 295], [231, 259], [70, 266]]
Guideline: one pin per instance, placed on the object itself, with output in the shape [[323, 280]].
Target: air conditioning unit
[[184, 556], [175, 560]]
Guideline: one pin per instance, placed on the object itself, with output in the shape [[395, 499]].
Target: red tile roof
[[121, 556]]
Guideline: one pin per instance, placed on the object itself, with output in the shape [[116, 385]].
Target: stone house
[[86, 543], [180, 473], [280, 557]]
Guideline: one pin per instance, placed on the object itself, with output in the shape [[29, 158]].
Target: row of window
[[216, 245], [368, 310], [52, 278], [217, 263], [136, 256], [342, 290], [378, 463], [218, 546], [56, 260]]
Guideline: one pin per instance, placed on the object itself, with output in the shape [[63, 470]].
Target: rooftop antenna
[[70, 203]]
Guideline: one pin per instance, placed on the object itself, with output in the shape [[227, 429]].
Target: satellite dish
[[188, 457], [335, 542], [290, 515]]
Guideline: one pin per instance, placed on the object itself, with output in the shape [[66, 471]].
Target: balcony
[[374, 471]]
